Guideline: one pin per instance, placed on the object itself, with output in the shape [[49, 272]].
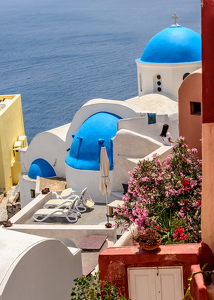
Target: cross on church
[[175, 17]]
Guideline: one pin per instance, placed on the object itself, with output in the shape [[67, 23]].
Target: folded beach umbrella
[[104, 170]]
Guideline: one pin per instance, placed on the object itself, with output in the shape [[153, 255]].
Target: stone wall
[[13, 205]]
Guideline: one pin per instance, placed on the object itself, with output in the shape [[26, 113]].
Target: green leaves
[[90, 288], [86, 288]]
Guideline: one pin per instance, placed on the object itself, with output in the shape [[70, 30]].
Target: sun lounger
[[59, 203], [68, 212], [84, 202], [65, 194], [62, 203]]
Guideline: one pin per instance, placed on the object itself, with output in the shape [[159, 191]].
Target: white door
[[155, 283], [142, 284]]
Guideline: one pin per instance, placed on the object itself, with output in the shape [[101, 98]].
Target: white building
[[129, 129], [168, 58]]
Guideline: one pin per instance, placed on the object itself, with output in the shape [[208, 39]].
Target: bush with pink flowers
[[165, 196]]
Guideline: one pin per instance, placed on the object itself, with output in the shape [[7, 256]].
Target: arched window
[[185, 75]]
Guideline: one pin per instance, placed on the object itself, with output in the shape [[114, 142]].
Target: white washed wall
[[128, 144], [25, 189], [48, 146], [141, 126], [33, 267], [172, 77], [79, 179]]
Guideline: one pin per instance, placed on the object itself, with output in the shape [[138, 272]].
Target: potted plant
[[148, 239]]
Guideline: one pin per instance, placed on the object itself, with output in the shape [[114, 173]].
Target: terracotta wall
[[198, 288], [114, 262], [190, 126], [207, 18]]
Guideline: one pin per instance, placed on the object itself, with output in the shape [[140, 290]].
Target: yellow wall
[[11, 127], [1, 169]]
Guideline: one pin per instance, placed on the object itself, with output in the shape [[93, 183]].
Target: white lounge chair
[[84, 202], [64, 194], [68, 212], [62, 203]]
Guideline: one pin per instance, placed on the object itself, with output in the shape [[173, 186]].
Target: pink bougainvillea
[[165, 196]]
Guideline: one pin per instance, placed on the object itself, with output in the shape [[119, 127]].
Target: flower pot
[[145, 246], [108, 225]]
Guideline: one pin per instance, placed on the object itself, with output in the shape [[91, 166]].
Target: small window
[[32, 193], [185, 75], [195, 108], [151, 118], [158, 83]]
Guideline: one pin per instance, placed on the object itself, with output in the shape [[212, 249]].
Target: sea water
[[58, 54]]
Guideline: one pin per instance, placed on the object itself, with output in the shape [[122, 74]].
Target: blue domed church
[[168, 58]]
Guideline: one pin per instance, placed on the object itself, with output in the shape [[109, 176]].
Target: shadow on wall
[[140, 147]]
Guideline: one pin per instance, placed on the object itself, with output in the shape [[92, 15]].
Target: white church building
[[130, 130]]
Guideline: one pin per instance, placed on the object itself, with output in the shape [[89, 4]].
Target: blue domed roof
[[41, 168], [173, 45], [97, 130]]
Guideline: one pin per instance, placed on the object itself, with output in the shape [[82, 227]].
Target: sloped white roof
[[154, 103], [12, 246]]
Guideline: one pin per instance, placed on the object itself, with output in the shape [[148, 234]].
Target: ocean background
[[58, 54]]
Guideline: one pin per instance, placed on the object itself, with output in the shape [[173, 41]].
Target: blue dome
[[173, 45], [97, 130], [41, 168]]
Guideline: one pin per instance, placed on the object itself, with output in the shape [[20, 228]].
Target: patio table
[[113, 205]]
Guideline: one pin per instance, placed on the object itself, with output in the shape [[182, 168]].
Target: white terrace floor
[[94, 216], [93, 219]]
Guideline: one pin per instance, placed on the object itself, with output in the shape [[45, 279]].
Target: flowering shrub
[[165, 196]]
